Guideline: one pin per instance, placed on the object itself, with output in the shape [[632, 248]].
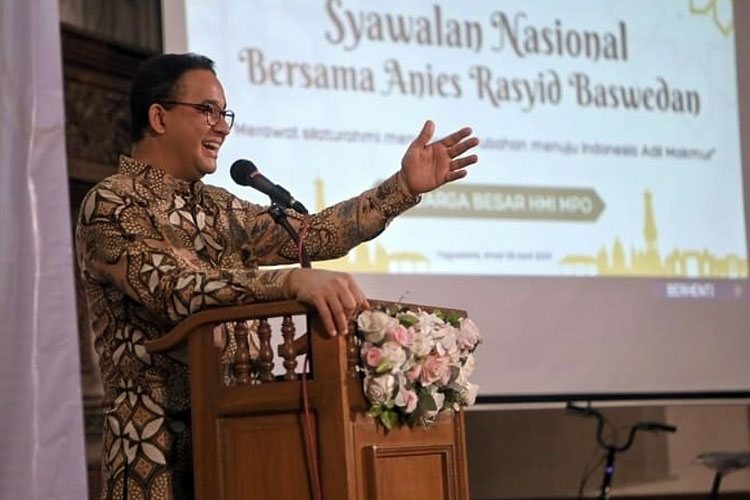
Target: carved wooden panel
[[97, 124], [97, 76], [408, 460], [267, 449], [408, 472]]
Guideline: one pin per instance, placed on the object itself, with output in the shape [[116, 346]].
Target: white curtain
[[41, 416]]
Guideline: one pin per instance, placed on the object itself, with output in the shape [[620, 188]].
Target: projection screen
[[600, 243]]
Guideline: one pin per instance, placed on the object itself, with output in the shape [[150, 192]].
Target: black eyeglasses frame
[[213, 113]]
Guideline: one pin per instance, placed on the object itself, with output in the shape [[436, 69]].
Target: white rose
[[439, 399], [430, 324], [379, 389], [468, 334], [469, 393], [393, 353], [447, 345], [373, 325], [421, 344], [461, 382], [468, 367], [429, 318]]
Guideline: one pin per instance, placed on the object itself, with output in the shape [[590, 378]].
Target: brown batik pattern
[[153, 250]]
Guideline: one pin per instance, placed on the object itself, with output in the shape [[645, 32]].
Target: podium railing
[[247, 414]]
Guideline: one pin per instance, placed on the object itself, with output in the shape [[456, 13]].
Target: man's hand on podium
[[336, 296], [425, 167]]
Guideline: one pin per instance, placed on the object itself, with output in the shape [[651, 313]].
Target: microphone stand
[[277, 212]]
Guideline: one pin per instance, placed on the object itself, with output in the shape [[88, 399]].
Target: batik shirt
[[154, 249]]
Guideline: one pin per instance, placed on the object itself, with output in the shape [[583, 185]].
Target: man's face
[[194, 143]]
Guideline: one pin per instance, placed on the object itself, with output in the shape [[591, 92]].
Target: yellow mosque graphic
[[615, 261], [720, 11], [649, 262], [370, 257]]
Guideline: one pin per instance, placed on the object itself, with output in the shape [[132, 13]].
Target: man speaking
[[155, 245]]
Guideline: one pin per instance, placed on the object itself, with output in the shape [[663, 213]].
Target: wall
[[543, 452], [135, 23]]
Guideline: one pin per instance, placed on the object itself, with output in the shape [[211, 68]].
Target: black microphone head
[[241, 170]]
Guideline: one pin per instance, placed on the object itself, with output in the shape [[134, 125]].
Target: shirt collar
[[157, 179]]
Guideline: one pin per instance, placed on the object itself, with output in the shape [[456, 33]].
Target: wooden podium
[[248, 432]]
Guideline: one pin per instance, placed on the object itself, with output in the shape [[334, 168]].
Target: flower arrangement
[[416, 364]]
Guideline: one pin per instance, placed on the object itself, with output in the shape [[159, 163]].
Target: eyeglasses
[[213, 113]]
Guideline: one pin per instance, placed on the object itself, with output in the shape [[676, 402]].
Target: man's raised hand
[[426, 166]]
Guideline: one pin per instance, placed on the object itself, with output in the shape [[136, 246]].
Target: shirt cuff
[[392, 198]]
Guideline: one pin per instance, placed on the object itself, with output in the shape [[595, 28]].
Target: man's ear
[[157, 118]]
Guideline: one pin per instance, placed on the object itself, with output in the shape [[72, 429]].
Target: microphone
[[245, 173]]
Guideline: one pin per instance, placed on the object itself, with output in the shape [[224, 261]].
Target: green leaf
[[452, 396], [408, 320], [389, 419], [426, 401], [412, 419], [375, 411], [383, 367], [454, 319], [455, 372]]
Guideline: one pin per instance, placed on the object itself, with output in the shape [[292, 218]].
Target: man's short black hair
[[156, 80]]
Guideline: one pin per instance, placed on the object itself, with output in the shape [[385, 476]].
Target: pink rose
[[414, 373], [468, 334], [407, 399], [373, 356], [400, 335], [434, 369]]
